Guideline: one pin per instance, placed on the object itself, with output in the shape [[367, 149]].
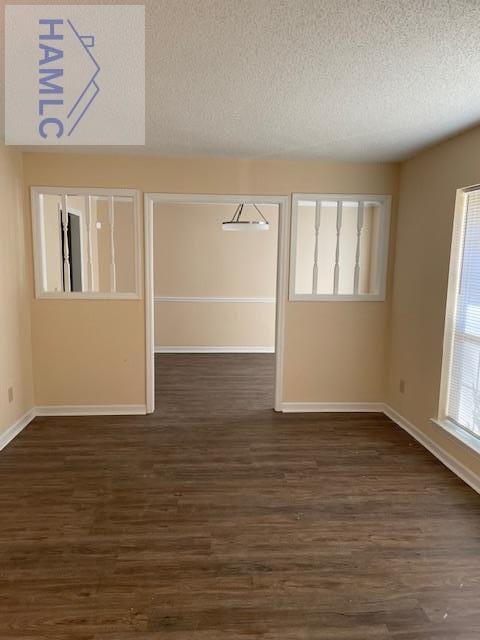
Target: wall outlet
[[401, 386], [10, 394]]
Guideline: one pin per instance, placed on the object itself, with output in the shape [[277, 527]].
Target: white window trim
[[464, 435], [385, 201], [38, 243]]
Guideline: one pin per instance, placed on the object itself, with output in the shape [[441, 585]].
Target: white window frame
[[385, 202], [39, 243], [463, 434]]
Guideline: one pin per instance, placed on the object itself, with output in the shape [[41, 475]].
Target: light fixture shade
[[246, 225], [236, 224]]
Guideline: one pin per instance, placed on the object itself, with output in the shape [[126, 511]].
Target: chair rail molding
[[225, 299]]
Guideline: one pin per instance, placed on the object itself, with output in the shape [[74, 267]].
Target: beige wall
[[15, 292], [214, 324], [194, 257], [88, 352], [334, 352], [124, 239], [424, 232]]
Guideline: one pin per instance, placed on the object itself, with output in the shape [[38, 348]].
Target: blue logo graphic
[[88, 42], [56, 47]]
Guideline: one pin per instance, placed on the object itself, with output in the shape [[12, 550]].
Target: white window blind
[[463, 394]]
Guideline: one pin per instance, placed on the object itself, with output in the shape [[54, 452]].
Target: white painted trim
[[35, 193], [283, 203], [85, 191], [7, 436], [281, 295], [386, 202], [39, 227], [322, 407], [69, 410], [213, 299], [202, 198], [148, 203], [92, 410], [465, 438], [439, 452], [196, 349]]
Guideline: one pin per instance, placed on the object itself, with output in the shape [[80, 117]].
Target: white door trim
[[283, 203]]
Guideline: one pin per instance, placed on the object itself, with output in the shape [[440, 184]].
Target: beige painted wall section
[[124, 242], [215, 324], [15, 292], [427, 198], [334, 352], [194, 257], [88, 352]]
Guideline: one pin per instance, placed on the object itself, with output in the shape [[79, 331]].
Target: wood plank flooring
[[216, 518]]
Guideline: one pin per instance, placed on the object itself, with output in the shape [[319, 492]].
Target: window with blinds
[[339, 247], [462, 356]]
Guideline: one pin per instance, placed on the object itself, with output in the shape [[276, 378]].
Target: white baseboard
[[69, 410], [439, 452], [8, 435], [214, 349], [92, 410], [323, 407]]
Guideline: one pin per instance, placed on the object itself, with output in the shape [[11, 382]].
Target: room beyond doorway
[[155, 332]]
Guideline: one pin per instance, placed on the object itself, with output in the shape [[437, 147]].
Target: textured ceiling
[[327, 79]]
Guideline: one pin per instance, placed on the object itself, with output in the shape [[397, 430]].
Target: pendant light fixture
[[236, 224]]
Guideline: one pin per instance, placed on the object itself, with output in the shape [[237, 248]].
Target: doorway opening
[[191, 237]]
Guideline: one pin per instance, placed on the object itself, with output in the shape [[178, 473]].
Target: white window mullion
[[66, 249], [113, 268], [318, 206], [89, 243], [356, 275], [336, 270]]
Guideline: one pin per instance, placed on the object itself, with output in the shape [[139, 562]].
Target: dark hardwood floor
[[216, 518]]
